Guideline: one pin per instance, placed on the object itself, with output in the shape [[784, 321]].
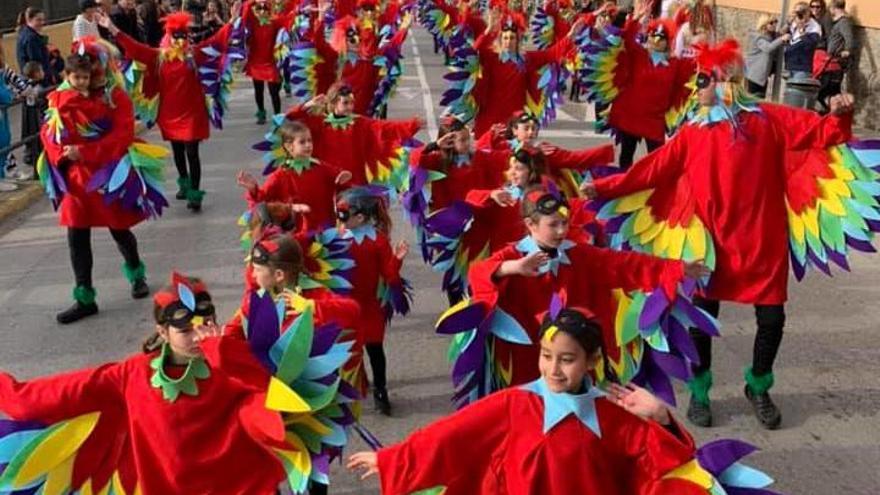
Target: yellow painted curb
[[16, 201]]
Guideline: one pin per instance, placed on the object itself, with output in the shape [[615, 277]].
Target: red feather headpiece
[[180, 286], [341, 30], [177, 22], [666, 25], [366, 3], [724, 59], [498, 4]]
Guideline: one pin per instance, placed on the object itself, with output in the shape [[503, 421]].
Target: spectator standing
[[148, 22], [11, 85], [32, 117], [819, 12], [125, 17], [806, 33], [840, 42], [31, 45], [764, 47], [85, 23]]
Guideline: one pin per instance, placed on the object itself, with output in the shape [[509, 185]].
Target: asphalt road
[[827, 372]]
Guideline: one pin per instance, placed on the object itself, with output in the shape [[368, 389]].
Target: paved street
[[827, 373]]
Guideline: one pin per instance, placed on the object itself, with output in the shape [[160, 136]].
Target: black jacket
[[32, 46]]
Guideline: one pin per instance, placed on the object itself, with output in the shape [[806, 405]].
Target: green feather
[[296, 351]]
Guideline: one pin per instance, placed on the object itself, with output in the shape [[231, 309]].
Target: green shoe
[[261, 117], [699, 410], [194, 199], [756, 391], [183, 186], [137, 277]]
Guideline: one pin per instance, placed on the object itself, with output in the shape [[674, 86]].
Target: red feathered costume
[[484, 169], [262, 29], [314, 186], [498, 445], [172, 73], [80, 208]]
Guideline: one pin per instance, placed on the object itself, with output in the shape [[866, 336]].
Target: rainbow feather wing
[[215, 75], [72, 456], [390, 65], [600, 59], [135, 179], [304, 66], [474, 327], [392, 171], [306, 387], [716, 468], [544, 96], [541, 28], [138, 82], [463, 81], [437, 22], [455, 238], [328, 262], [394, 298], [52, 181], [832, 202], [272, 146]]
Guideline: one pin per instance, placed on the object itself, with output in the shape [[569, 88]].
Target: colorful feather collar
[[299, 165], [528, 246], [558, 406], [360, 233], [196, 369], [732, 99], [513, 57]]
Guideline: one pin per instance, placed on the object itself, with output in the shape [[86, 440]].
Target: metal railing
[[27, 139]]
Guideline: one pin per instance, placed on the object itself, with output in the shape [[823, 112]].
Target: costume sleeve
[[394, 129], [271, 190], [658, 167], [552, 55], [484, 285], [219, 36], [635, 271], [343, 311], [479, 198], [121, 136], [136, 50], [233, 357], [458, 449], [55, 398], [484, 41], [491, 140], [235, 326], [803, 129], [580, 159]]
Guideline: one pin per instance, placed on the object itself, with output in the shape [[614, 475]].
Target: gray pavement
[[827, 383]]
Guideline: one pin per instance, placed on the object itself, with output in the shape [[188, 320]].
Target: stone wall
[[863, 79]]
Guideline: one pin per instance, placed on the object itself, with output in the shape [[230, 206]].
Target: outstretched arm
[[658, 167]]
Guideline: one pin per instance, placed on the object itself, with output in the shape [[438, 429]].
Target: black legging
[[770, 320], [628, 145], [79, 240], [377, 362], [274, 93], [188, 151]]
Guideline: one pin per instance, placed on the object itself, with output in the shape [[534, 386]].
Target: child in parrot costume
[[751, 188], [261, 25], [94, 170]]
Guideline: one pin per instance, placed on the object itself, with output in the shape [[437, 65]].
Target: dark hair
[[27, 14], [31, 69], [78, 63], [446, 126], [584, 329], [286, 254], [516, 119], [838, 4], [534, 160], [291, 128], [154, 341], [372, 206], [337, 90]]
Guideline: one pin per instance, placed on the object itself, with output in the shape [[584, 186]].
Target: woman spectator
[[805, 36], [763, 50], [819, 12], [31, 45], [148, 22]]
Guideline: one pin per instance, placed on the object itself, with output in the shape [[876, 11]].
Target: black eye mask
[[179, 316], [704, 80]]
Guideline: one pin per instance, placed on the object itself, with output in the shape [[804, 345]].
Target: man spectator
[[805, 36], [86, 23], [840, 46], [148, 22], [124, 16]]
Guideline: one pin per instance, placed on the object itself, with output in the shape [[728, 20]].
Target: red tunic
[[648, 91], [484, 170], [737, 186], [79, 208], [171, 445], [559, 159], [374, 260], [357, 146], [315, 187], [514, 78], [183, 114], [260, 64], [498, 446], [586, 282]]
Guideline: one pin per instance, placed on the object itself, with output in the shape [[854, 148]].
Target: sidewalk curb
[[26, 195]]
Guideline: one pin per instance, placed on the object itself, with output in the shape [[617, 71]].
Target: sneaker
[[381, 402], [76, 312], [261, 117], [140, 289], [765, 410], [699, 414]]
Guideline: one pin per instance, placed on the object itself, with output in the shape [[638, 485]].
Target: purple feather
[[555, 306], [719, 455], [680, 340], [654, 307], [100, 178], [462, 320], [367, 436], [471, 359], [822, 265], [873, 225], [839, 259], [8, 426], [450, 222], [263, 327], [798, 268], [700, 319], [672, 365], [656, 380], [860, 245], [865, 144], [324, 338]]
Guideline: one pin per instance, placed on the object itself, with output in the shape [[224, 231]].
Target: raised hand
[[841, 104], [502, 197], [206, 331], [401, 250], [640, 402], [246, 180], [300, 208], [530, 265], [343, 177], [589, 190]]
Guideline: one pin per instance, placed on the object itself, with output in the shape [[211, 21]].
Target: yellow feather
[[299, 458], [86, 489], [841, 172], [648, 235], [56, 448], [696, 238], [118, 489], [661, 243], [796, 225], [153, 150], [644, 221], [811, 220], [280, 397], [623, 303], [677, 236], [309, 422], [633, 201], [58, 479], [693, 473], [833, 205], [458, 307]]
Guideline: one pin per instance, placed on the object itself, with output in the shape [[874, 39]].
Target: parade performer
[[295, 176], [182, 88], [193, 403], [377, 286], [530, 79], [261, 27], [365, 147], [496, 331], [367, 61], [562, 434], [642, 84], [745, 186], [94, 170]]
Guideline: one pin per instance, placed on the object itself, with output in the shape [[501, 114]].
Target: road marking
[[427, 101]]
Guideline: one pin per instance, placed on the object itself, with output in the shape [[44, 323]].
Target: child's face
[[462, 142], [344, 105], [509, 41], [299, 145], [517, 173], [549, 230], [563, 363], [182, 340], [355, 221], [79, 80], [268, 278], [525, 132]]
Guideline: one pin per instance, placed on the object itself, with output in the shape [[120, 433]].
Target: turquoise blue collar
[[527, 246], [558, 406], [462, 159], [351, 57], [731, 101], [515, 192], [515, 144], [360, 233], [659, 58], [515, 58]]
